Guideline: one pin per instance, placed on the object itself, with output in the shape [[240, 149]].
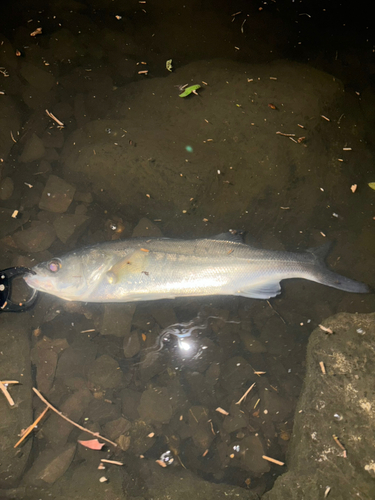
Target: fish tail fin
[[326, 277]]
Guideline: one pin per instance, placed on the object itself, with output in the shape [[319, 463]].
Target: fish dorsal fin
[[231, 235], [320, 253], [133, 263]]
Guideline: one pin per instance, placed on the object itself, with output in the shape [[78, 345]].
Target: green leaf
[[189, 90], [372, 185]]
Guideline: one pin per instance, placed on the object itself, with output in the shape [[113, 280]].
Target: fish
[[145, 269]]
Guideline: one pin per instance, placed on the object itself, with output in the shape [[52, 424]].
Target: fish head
[[71, 277]]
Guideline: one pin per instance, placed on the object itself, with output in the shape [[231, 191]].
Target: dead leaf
[[92, 444]]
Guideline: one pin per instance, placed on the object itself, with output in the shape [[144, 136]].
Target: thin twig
[[279, 315], [31, 427], [114, 462], [246, 393], [273, 460], [4, 390], [96, 434]]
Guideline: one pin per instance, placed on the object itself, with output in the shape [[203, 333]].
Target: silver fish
[[162, 268]]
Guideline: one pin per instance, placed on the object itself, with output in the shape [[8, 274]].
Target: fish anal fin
[[131, 264], [264, 290]]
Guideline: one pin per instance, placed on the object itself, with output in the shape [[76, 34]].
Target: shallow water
[[275, 141]]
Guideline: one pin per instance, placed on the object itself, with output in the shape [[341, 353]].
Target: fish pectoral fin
[[264, 290], [134, 263]]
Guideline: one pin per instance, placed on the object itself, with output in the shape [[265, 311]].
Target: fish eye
[[54, 265]]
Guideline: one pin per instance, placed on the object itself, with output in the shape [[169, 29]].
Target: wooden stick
[[31, 427], [4, 390], [114, 462], [285, 135], [340, 445], [246, 393], [96, 434], [273, 460]]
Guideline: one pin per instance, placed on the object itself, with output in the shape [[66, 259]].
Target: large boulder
[[332, 446], [211, 153]]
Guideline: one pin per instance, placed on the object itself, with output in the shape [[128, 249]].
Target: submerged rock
[[132, 345], [70, 226], [6, 188], [181, 484], [57, 430], [141, 437], [9, 224], [337, 404], [57, 195], [234, 373], [38, 78], [50, 465], [146, 228], [44, 356], [115, 428], [250, 453], [117, 319], [130, 400], [34, 149], [155, 405], [35, 239], [75, 360], [105, 372]]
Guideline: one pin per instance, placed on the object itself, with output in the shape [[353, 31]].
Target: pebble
[[146, 228], [132, 345], [123, 442]]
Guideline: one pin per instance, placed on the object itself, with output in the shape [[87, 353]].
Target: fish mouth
[[37, 282]]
